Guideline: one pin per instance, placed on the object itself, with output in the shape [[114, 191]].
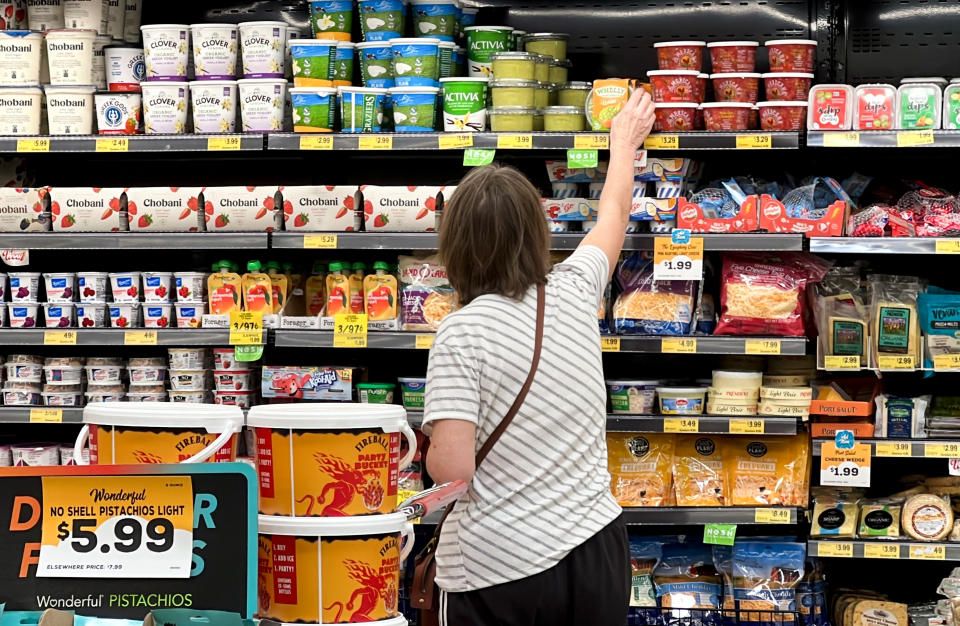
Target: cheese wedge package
[[895, 324], [649, 307]]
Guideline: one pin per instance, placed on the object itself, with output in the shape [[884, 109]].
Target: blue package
[[767, 573], [694, 582], [641, 296], [644, 556], [939, 313]]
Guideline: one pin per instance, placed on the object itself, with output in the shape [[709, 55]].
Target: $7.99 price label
[[116, 527]]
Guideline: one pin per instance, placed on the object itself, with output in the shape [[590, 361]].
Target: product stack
[[925, 103]]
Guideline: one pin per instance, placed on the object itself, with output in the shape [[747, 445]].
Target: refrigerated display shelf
[[699, 516], [132, 143], [705, 424], [907, 550], [884, 245], [884, 139], [383, 142], [136, 241], [40, 415], [711, 140], [113, 337], [905, 448]]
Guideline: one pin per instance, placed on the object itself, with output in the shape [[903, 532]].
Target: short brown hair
[[493, 235]]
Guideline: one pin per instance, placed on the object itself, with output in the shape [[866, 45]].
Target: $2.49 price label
[[116, 527]]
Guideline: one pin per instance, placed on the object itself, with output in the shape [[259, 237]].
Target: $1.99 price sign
[[678, 257], [116, 527], [845, 467]]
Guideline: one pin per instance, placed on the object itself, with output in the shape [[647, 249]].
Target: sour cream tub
[[261, 104], [214, 106], [125, 67], [336, 560], [214, 51], [70, 56], [70, 110], [159, 433], [315, 459], [20, 110], [263, 47], [165, 107], [165, 51], [20, 58]]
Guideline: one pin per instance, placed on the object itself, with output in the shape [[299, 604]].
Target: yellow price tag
[[215, 144], [771, 516], [881, 551], [896, 363], [60, 338], [946, 362], [246, 328], [841, 140], [316, 142], [319, 242], [754, 142], [405, 494], [888, 448], [40, 144], [928, 552], [140, 338], [762, 346], [841, 362], [375, 142], [746, 426], [116, 144], [661, 142], [841, 549], [909, 138], [610, 344], [676, 345], [591, 142], [424, 342], [350, 330], [452, 142], [515, 142], [941, 450], [681, 425], [46, 416], [948, 246]]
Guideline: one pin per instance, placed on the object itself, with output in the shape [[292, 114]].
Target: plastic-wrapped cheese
[[880, 520], [879, 613], [927, 518]]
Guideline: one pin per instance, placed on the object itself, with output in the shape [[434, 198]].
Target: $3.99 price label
[[116, 527], [845, 467]]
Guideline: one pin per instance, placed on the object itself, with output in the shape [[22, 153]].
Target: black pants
[[590, 586]]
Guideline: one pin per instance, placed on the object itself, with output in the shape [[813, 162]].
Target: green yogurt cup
[[313, 61], [414, 109], [550, 44], [464, 104], [314, 109], [446, 52], [375, 393], [362, 109], [483, 41], [381, 20], [512, 119], [343, 69], [412, 392], [331, 19], [514, 93], [514, 65], [563, 119]]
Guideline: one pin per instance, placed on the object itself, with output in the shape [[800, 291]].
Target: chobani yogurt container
[[214, 51], [44, 15], [86, 14], [99, 63], [314, 61], [262, 48], [214, 106], [165, 107], [70, 110], [125, 67], [70, 56], [118, 113], [20, 58], [20, 110], [92, 286], [91, 314], [166, 48], [261, 104]]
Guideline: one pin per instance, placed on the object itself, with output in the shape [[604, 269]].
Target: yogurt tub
[[189, 314], [70, 56], [166, 48], [326, 552], [125, 67], [343, 66], [60, 287], [559, 71], [224, 361], [66, 454], [375, 393], [21, 394], [92, 286], [214, 106], [70, 110], [118, 113], [23, 372], [680, 116], [574, 94], [214, 51], [513, 93], [147, 374], [464, 104], [514, 65], [104, 374], [553, 45], [262, 48], [361, 109], [516, 119], [559, 226], [541, 68], [726, 116], [44, 15], [414, 109], [20, 58], [382, 20], [416, 62], [412, 392], [124, 314], [674, 85], [91, 314], [468, 17], [681, 400], [158, 315], [20, 110], [314, 109], [35, 454], [261, 104], [232, 380], [791, 86], [125, 286], [736, 87], [67, 375], [24, 286], [792, 55], [188, 397], [435, 18], [100, 396], [99, 61], [680, 55], [190, 286], [135, 395], [563, 119], [447, 50], [939, 80], [733, 56], [376, 64], [165, 107], [632, 397], [157, 286], [187, 358], [85, 14], [331, 19], [298, 444], [6, 457], [188, 380], [783, 115], [63, 398], [314, 61], [159, 433], [58, 315], [242, 399], [131, 20], [484, 41]]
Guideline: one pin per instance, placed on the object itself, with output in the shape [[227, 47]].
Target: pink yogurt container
[[792, 55], [733, 56], [736, 87], [674, 85], [726, 116], [791, 86], [783, 115], [675, 117], [680, 55]]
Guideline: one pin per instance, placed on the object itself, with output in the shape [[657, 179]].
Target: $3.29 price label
[[116, 527]]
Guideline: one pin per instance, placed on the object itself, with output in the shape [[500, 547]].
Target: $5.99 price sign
[[678, 257], [116, 527], [845, 467]]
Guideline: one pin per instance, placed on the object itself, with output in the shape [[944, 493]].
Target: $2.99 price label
[[116, 527]]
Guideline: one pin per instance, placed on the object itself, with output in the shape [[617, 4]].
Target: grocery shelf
[[710, 140], [112, 336], [40, 414], [136, 241], [694, 516], [132, 143], [431, 141], [706, 424], [884, 139], [906, 448], [881, 245], [915, 550]]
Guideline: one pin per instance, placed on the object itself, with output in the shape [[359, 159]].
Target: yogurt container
[[20, 58], [214, 51], [190, 286], [166, 48], [632, 397], [118, 113], [125, 286], [66, 452], [361, 109], [99, 63], [726, 116], [58, 315], [91, 314], [70, 110], [23, 372], [783, 115], [21, 394], [70, 56], [187, 358], [242, 399], [464, 104], [414, 109], [116, 12], [124, 314], [224, 361], [104, 374], [6, 457], [60, 287], [412, 392], [733, 56], [792, 55], [435, 18], [20, 110], [416, 62], [677, 116], [86, 15], [375, 393], [382, 20], [737, 87], [673, 85], [125, 67], [35, 454], [314, 62], [214, 106], [188, 397], [232, 380], [262, 103], [95, 395], [331, 19], [62, 397], [376, 64], [157, 314], [165, 107], [131, 20], [44, 15], [314, 109], [92, 286], [157, 286], [24, 286], [66, 375], [682, 400], [188, 380], [262, 48], [680, 55], [792, 86], [135, 395], [482, 42]]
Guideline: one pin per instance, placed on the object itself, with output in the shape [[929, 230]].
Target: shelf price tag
[[762, 346], [946, 362], [845, 466], [116, 527], [890, 449], [678, 257], [662, 142], [60, 338], [454, 142], [350, 330], [754, 142], [881, 551], [375, 142], [720, 534], [681, 425], [246, 328], [316, 142], [928, 552], [948, 246], [424, 342], [909, 138], [591, 142], [841, 362], [610, 344], [746, 426], [39, 144], [515, 142], [218, 144], [474, 157], [677, 345], [115, 144], [841, 140], [580, 159], [771, 516], [896, 363], [140, 338], [941, 450], [319, 242], [836, 549], [46, 416]]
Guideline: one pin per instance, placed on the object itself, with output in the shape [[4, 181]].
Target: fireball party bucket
[[332, 571], [329, 460], [159, 433]]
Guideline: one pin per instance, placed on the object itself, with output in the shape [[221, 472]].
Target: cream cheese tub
[[70, 56], [159, 433], [86, 15], [166, 48], [632, 397], [214, 51], [263, 46], [125, 67], [332, 571], [70, 110], [261, 104], [165, 107], [682, 400], [20, 110], [329, 460], [44, 15], [214, 106], [20, 58], [412, 392]]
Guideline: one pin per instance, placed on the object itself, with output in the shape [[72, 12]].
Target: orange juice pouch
[[257, 289], [223, 288], [279, 284], [380, 293], [296, 303], [314, 291], [608, 97], [338, 290], [356, 287]]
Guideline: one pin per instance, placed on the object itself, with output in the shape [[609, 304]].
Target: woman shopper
[[538, 539]]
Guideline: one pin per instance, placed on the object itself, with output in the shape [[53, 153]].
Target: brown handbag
[[424, 594]]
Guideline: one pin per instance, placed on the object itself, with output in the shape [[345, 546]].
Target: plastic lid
[[577, 84], [362, 45], [514, 82], [332, 526], [254, 266], [362, 90], [783, 103], [513, 111], [563, 110], [788, 42], [213, 25], [273, 265], [515, 56], [387, 417], [723, 44], [359, 266], [404, 41], [634, 383], [489, 28], [545, 36], [380, 265], [559, 63], [665, 44], [736, 75], [213, 418], [469, 79], [666, 72], [422, 381], [787, 75], [224, 265], [421, 89], [737, 105], [693, 391], [676, 105], [749, 374], [335, 267], [375, 386]]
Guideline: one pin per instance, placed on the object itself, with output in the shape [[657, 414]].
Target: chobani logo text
[[10, 48], [84, 204], [64, 47], [392, 202], [162, 203], [319, 202], [65, 102], [15, 102], [228, 202]]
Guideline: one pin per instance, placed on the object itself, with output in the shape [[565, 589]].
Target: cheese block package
[[834, 514], [640, 467], [765, 578], [767, 472], [698, 472], [651, 307], [901, 418], [939, 322], [895, 324], [880, 519]]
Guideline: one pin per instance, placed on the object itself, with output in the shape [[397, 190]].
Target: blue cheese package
[[901, 418], [939, 313]]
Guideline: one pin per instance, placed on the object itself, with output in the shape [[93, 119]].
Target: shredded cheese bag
[[766, 472], [686, 578], [698, 472], [650, 307], [426, 296], [765, 579], [639, 466]]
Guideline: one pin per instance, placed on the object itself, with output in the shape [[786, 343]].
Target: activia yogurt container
[[483, 41], [361, 109], [44, 15], [376, 64], [263, 46], [381, 20], [314, 109], [166, 48], [20, 110], [125, 67], [262, 103], [313, 62], [416, 61], [214, 51], [414, 109], [434, 18], [70, 56], [165, 107], [20, 58], [331, 19], [118, 113], [214, 106], [464, 104], [343, 64]]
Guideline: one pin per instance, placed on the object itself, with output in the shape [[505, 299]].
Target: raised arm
[[630, 127]]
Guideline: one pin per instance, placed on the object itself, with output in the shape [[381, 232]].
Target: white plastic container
[[188, 397], [66, 375], [86, 15], [118, 113], [830, 107], [20, 58], [242, 399], [24, 372], [124, 314], [165, 107], [157, 286], [214, 106], [125, 286], [134, 395], [35, 454], [187, 358], [188, 380], [262, 103], [131, 21], [58, 315], [215, 51], [70, 56], [158, 315], [147, 374], [24, 286], [20, 109], [682, 400], [44, 15], [69, 110], [66, 452], [189, 314], [919, 105], [99, 61], [125, 67], [61, 287], [224, 361], [116, 10], [92, 286], [232, 380], [263, 46], [166, 48], [91, 314], [62, 398], [95, 395], [104, 374]]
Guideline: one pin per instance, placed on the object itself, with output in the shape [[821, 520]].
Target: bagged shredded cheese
[[640, 468]]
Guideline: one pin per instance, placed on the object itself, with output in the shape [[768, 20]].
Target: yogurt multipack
[[410, 209], [87, 209], [164, 209], [320, 208], [241, 209], [22, 210]]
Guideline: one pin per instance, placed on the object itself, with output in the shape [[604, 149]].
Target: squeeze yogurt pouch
[[831, 107], [919, 106]]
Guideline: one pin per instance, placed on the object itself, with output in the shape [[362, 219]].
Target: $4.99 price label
[[845, 467], [116, 527]]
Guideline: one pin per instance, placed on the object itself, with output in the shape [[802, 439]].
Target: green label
[[481, 44], [952, 96], [246, 354], [894, 333], [918, 109], [375, 68], [343, 70], [719, 534], [331, 17], [366, 116], [313, 116], [478, 156], [579, 159], [847, 338], [313, 67]]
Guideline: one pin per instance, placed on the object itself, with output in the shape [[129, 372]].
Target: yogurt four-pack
[[398, 209], [320, 208], [87, 209], [164, 209], [241, 209]]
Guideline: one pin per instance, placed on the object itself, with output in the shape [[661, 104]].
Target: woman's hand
[[632, 125]]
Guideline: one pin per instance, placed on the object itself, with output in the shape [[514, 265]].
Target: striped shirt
[[544, 488]]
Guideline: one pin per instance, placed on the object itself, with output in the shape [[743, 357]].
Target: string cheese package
[[940, 323], [649, 307], [640, 468], [893, 306]]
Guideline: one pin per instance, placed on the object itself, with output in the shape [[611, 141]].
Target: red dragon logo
[[347, 483], [363, 600]]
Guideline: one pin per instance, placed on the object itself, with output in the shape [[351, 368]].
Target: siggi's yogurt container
[[70, 56], [20, 110], [313, 61], [20, 58], [164, 107], [262, 48], [58, 315], [24, 286], [70, 110], [214, 106], [261, 104], [86, 15], [44, 15], [91, 314], [214, 51], [189, 314], [376, 64], [166, 48], [22, 314], [125, 68], [92, 286], [118, 113]]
